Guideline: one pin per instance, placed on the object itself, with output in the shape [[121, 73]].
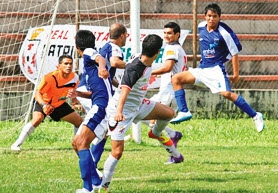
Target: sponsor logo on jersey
[[170, 53]]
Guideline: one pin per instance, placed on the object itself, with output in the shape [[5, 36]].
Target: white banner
[[62, 41]]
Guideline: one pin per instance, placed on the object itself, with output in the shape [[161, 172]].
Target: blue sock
[[97, 151], [244, 106], [87, 169], [181, 100]]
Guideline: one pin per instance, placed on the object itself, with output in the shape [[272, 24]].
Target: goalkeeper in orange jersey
[[50, 99]]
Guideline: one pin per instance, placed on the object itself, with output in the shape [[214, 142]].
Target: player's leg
[[163, 114], [111, 162], [37, 117], [89, 129], [178, 80], [97, 150], [240, 102], [81, 143]]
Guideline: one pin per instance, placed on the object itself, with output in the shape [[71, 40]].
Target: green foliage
[[221, 155]]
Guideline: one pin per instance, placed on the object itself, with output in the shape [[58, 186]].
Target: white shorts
[[166, 98], [214, 78], [117, 130], [85, 102], [100, 129]]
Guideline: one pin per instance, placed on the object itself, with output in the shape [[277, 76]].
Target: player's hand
[[48, 109], [72, 93], [103, 73], [119, 117], [234, 78]]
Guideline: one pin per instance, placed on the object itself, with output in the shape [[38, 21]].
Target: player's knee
[[116, 153], [79, 143], [226, 94]]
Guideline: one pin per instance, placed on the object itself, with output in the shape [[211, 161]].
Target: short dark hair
[[85, 39], [151, 45], [64, 56], [116, 30], [214, 8], [176, 28]]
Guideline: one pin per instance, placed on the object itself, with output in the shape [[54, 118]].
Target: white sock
[[26, 131], [108, 170], [75, 129], [172, 150], [159, 126], [170, 132]]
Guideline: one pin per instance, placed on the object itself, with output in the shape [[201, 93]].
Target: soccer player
[[174, 61], [113, 55], [94, 124], [129, 105], [50, 99], [218, 44]]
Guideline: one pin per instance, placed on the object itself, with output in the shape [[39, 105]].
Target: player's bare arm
[[102, 72], [119, 116], [166, 67], [235, 63], [116, 62]]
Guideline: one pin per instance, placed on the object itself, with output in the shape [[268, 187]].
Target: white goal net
[[17, 17]]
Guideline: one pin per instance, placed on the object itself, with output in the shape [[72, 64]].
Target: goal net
[[22, 22]]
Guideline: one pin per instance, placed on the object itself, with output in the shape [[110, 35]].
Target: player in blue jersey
[[113, 55], [94, 124], [218, 44], [129, 104]]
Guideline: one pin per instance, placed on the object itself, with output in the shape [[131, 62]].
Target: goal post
[[17, 19]]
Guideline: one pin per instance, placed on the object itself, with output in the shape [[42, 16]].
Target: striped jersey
[[111, 50], [172, 51], [101, 88], [136, 79], [218, 46], [54, 87]]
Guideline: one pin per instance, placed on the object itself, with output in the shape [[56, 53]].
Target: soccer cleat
[[182, 116], [83, 190], [175, 160], [165, 140], [15, 147], [176, 138], [259, 121], [103, 190]]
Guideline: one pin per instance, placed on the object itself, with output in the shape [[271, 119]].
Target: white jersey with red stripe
[[172, 51], [136, 79]]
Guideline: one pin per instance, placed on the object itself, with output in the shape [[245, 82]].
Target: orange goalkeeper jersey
[[54, 87]]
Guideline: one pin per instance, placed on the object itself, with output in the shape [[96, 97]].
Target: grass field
[[223, 155]]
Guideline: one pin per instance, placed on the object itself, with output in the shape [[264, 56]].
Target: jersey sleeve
[[230, 38], [44, 85], [116, 52], [171, 53], [130, 77]]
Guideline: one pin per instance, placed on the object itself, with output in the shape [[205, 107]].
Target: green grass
[[223, 155]]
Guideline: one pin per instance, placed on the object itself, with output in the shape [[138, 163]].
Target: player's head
[[171, 32], [65, 64], [84, 39], [118, 32], [151, 45], [214, 8], [212, 16]]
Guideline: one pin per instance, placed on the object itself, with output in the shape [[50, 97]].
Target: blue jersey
[[110, 50], [101, 88], [218, 46]]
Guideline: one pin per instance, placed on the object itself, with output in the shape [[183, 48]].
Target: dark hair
[[214, 8], [151, 45], [176, 28], [64, 56], [85, 39], [116, 30]]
